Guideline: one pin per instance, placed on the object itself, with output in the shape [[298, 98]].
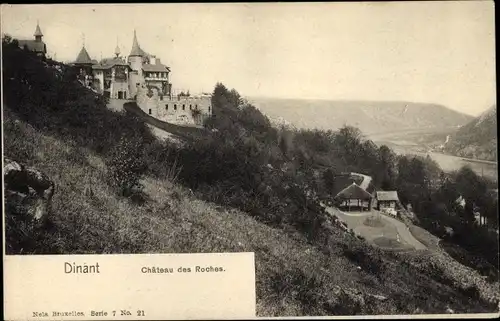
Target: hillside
[[369, 116], [293, 277], [241, 186], [477, 139]]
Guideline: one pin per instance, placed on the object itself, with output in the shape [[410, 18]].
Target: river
[[451, 163]]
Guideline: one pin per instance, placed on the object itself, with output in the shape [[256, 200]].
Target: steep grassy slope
[[478, 138], [370, 117], [293, 276]]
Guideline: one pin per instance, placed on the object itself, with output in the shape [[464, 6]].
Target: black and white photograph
[[350, 146]]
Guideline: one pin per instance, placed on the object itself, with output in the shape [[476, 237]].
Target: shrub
[[126, 167]]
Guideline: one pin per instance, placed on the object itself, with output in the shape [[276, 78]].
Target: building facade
[[36, 45], [143, 78], [387, 200]]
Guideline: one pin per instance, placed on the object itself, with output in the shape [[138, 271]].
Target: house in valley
[[386, 199], [353, 198], [353, 192]]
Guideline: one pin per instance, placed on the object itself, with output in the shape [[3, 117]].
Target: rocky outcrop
[[28, 192]]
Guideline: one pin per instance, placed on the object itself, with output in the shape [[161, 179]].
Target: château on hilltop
[[141, 77]]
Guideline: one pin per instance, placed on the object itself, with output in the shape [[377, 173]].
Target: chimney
[[158, 61]]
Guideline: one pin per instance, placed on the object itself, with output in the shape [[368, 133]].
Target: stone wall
[[178, 110], [122, 86]]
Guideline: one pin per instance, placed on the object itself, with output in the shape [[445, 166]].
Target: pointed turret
[[38, 33], [117, 51], [83, 57], [136, 50]]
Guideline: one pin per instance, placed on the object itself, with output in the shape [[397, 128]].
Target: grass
[[423, 236], [392, 244], [293, 277], [374, 221]]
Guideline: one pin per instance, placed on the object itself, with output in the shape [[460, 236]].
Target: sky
[[435, 52]]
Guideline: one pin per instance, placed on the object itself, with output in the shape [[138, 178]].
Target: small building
[[386, 199], [83, 66], [36, 45], [353, 197]]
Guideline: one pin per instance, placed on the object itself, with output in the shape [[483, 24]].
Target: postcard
[[249, 160]]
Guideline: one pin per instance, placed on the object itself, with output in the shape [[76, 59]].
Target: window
[[208, 108], [175, 107], [190, 107], [150, 111], [166, 107], [183, 107]]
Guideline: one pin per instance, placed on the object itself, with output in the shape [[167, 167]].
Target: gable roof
[[33, 45], [387, 196], [155, 68], [343, 180], [353, 191], [83, 58], [107, 63]]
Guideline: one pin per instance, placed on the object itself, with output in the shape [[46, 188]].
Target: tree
[[387, 167], [329, 179]]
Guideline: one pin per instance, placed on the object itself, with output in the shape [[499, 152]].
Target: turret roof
[[83, 57], [38, 31], [136, 50]]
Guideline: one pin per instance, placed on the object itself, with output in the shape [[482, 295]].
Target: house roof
[[107, 63], [155, 68], [353, 191], [387, 196], [33, 45], [345, 179], [83, 58]]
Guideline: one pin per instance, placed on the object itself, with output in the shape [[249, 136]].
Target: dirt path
[[366, 180], [355, 221], [405, 233]]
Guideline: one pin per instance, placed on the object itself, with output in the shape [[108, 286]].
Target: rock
[[379, 297], [28, 191]]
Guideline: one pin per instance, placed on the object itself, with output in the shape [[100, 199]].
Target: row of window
[[156, 74], [184, 107], [175, 107]]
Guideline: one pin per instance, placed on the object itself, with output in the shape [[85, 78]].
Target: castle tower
[[135, 57], [38, 33], [135, 61]]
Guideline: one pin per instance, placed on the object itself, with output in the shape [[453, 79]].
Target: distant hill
[[477, 139], [369, 116]]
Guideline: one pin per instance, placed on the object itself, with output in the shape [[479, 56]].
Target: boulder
[[28, 191]]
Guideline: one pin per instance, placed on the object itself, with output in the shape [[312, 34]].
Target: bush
[[126, 167]]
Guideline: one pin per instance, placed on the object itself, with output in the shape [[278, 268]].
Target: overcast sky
[[437, 52]]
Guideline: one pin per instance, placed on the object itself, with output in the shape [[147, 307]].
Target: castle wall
[[134, 79], [99, 80], [177, 110], [122, 86], [148, 104]]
